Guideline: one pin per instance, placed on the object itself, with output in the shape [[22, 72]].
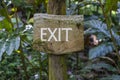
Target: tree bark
[[57, 7], [57, 63], [57, 67]]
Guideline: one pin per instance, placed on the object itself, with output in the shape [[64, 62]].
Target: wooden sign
[[58, 34]]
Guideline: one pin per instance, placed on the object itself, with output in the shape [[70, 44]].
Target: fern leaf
[[113, 77], [99, 26], [96, 26], [101, 50], [101, 65]]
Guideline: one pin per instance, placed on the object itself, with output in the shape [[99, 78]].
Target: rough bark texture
[[57, 67], [57, 64], [57, 7]]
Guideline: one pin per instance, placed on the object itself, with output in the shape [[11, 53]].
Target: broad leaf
[[110, 5], [98, 26], [2, 18], [101, 65], [113, 77], [10, 47], [101, 50], [2, 48], [17, 43], [6, 25]]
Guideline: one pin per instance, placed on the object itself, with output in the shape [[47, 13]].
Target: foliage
[[101, 65], [101, 50], [113, 77], [20, 62], [99, 28], [105, 28]]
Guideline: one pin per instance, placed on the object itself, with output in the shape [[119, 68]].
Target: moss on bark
[[57, 64]]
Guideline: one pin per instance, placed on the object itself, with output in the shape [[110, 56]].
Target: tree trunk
[[57, 67], [57, 63], [57, 7]]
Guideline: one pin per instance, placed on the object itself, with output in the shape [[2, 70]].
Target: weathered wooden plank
[[58, 44]]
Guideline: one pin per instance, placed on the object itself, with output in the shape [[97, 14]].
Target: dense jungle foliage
[[100, 60]]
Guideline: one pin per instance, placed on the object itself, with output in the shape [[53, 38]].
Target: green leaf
[[19, 3], [100, 65], [17, 43], [113, 77], [4, 13], [2, 18], [5, 24], [2, 49], [101, 50], [31, 20], [72, 77], [97, 26], [10, 47], [110, 5]]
